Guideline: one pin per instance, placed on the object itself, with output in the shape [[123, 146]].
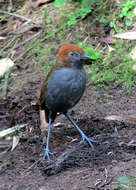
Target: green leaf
[[112, 24], [130, 14], [93, 53], [90, 51], [103, 20], [45, 14], [128, 22], [81, 44], [123, 180], [59, 3], [89, 3], [84, 12], [72, 21]]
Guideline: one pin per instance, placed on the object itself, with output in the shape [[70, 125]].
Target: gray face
[[77, 60], [75, 56]]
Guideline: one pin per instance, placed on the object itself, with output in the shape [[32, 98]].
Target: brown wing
[[44, 85], [43, 93]]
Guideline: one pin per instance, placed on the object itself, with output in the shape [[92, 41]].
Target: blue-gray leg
[[47, 151], [84, 137]]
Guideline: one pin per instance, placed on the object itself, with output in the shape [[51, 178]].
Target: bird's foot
[[48, 153], [90, 141]]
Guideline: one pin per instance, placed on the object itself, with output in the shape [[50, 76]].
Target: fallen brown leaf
[[34, 5], [27, 27]]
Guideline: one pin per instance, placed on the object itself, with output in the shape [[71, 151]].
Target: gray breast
[[65, 89]]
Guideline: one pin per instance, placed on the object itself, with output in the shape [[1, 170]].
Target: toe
[[90, 141], [47, 154]]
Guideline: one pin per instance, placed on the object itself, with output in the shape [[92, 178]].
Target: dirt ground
[[75, 166], [84, 168]]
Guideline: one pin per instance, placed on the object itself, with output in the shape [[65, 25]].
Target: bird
[[63, 87]]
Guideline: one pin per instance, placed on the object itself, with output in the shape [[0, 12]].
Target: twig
[[2, 116], [30, 167], [22, 109], [20, 44], [2, 18], [10, 42], [18, 16], [10, 6], [4, 90], [22, 54], [56, 31], [28, 39]]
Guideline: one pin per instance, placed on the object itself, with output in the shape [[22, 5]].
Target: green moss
[[115, 69]]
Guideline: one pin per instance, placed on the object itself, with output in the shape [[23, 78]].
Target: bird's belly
[[65, 92]]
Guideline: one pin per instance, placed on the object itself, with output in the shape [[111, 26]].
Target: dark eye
[[71, 53], [74, 54]]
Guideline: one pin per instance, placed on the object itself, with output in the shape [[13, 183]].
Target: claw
[[90, 141], [48, 153]]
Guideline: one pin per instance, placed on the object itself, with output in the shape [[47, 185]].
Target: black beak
[[85, 57]]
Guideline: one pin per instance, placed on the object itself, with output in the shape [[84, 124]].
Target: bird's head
[[71, 55]]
